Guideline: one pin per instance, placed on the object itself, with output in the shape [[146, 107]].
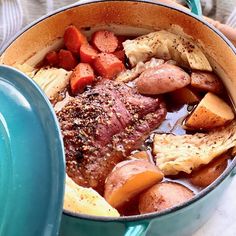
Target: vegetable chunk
[[105, 41], [120, 55], [73, 39], [52, 81], [163, 196], [128, 179], [52, 58], [86, 201], [184, 96], [186, 153], [211, 112], [209, 173], [166, 45], [81, 77], [67, 60], [129, 75], [87, 53], [206, 81], [143, 155], [162, 79], [108, 65]]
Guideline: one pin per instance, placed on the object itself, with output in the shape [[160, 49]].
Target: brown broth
[[174, 124]]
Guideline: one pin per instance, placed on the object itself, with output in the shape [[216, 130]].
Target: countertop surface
[[223, 221]]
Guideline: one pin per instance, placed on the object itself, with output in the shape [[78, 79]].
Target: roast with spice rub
[[102, 126]]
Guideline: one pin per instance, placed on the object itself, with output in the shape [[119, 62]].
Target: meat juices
[[102, 126]]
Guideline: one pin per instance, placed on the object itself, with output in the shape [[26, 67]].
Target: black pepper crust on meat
[[102, 126]]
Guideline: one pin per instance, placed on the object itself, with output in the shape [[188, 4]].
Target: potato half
[[211, 112], [129, 179], [86, 201], [162, 79], [206, 175], [206, 81], [163, 196]]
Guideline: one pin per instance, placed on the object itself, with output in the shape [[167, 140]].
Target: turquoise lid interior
[[32, 163]]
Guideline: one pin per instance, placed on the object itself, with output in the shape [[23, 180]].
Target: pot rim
[[197, 197]]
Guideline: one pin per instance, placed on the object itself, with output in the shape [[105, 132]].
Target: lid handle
[[195, 6]]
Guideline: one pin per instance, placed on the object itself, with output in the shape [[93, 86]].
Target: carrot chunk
[[66, 60], [120, 55], [105, 41], [87, 53], [52, 58], [108, 65], [82, 76], [73, 39]]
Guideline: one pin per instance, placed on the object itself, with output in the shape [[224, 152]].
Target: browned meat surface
[[102, 126]]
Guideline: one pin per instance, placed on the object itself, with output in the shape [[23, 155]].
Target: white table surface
[[223, 222]]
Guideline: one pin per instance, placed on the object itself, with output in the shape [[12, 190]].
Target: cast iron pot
[[134, 17]]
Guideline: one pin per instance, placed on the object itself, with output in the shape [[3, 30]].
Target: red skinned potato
[[163, 196], [209, 173], [162, 79], [206, 81], [210, 113], [128, 179]]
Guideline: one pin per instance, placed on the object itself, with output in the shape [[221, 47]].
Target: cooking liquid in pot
[[172, 124]]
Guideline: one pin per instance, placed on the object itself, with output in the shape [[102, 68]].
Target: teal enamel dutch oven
[[134, 17], [32, 166]]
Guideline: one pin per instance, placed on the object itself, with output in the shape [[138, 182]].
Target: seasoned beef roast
[[102, 126]]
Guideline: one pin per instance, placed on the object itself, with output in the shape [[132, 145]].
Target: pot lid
[[32, 164]]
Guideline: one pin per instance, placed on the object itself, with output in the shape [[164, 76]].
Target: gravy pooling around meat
[[174, 124]]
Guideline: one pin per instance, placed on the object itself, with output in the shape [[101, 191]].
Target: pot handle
[[195, 6], [136, 230]]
